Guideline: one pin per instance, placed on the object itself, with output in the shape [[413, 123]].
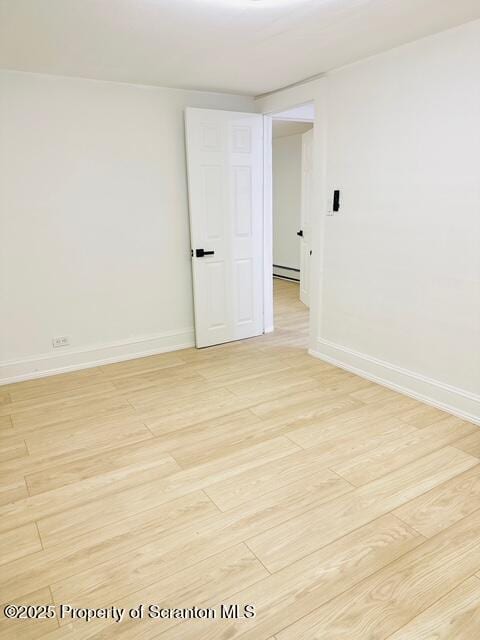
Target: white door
[[306, 212], [225, 186]]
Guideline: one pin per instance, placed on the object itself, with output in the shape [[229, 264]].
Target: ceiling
[[238, 46], [282, 128]]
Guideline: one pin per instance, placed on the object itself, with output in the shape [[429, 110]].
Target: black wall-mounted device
[[336, 200]]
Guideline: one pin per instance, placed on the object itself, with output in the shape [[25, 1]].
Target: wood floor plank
[[181, 548], [5, 398], [292, 406], [142, 365], [276, 407], [353, 422], [444, 505], [287, 542], [423, 415], [153, 400], [243, 367], [12, 448], [19, 542], [203, 411], [318, 413], [360, 418], [162, 379], [219, 352], [6, 424], [135, 490], [214, 432], [456, 616], [262, 387], [397, 453], [302, 357], [373, 393], [42, 506], [63, 382], [213, 404], [89, 436], [140, 453], [195, 412], [388, 600], [234, 435], [106, 544], [470, 444], [58, 399], [301, 587], [12, 489], [72, 440], [282, 345], [28, 629], [217, 577], [335, 448], [101, 404]]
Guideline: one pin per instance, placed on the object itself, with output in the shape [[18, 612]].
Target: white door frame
[[268, 324], [267, 225]]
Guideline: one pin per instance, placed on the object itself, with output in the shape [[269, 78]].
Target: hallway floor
[[249, 473]]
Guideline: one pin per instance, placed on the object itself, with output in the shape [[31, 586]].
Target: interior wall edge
[[85, 358], [458, 402]]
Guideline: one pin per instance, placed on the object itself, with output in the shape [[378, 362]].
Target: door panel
[[212, 190], [215, 282], [245, 287], [242, 184], [306, 209], [225, 183]]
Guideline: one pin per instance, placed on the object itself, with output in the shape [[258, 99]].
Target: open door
[[306, 211], [225, 185]]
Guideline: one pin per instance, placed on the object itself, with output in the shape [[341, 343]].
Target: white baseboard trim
[[50, 364], [460, 403]]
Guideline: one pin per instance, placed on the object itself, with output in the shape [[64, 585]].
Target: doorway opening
[[290, 134]]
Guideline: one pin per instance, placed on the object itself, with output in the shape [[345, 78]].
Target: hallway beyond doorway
[[290, 314]]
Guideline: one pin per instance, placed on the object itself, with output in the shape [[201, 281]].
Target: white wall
[[94, 220], [399, 268], [287, 201]]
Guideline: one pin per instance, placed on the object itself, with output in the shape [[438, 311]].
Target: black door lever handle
[[201, 252], [300, 233]]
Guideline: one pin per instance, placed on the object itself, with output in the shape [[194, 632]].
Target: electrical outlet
[[61, 341]]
